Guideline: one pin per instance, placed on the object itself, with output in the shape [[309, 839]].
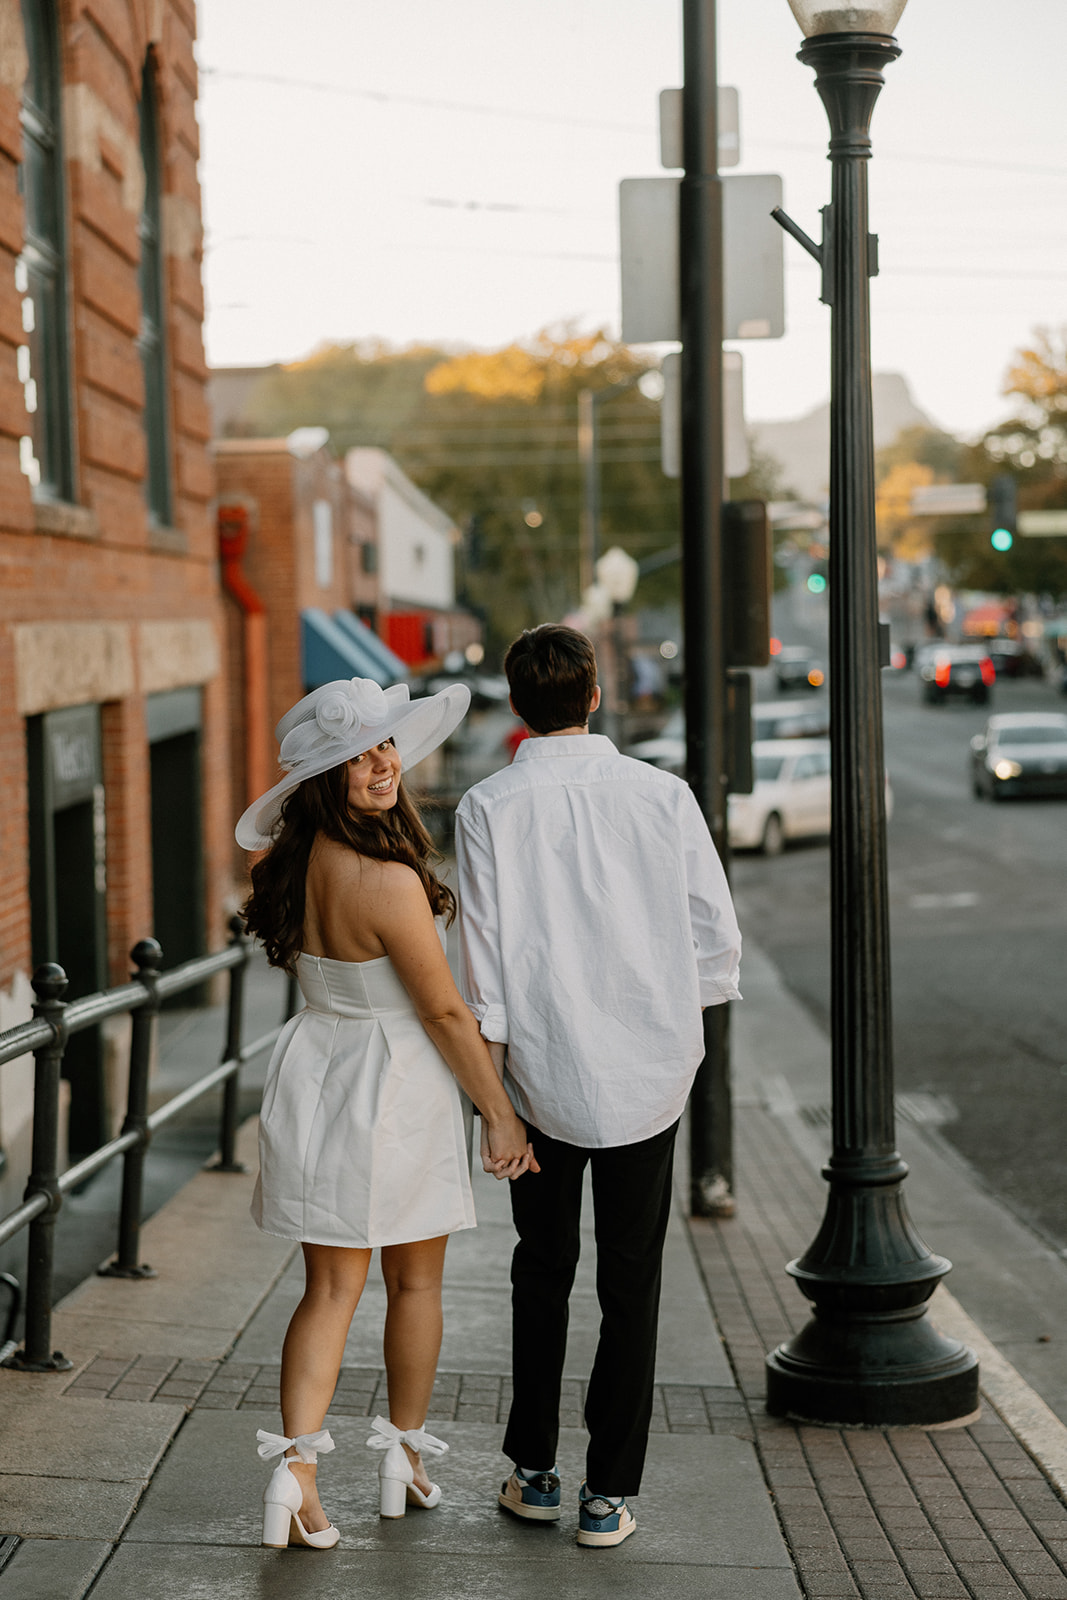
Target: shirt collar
[[565, 744]]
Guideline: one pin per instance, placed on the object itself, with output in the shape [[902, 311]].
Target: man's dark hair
[[552, 676]]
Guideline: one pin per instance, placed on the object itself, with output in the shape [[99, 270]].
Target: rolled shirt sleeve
[[716, 936], [480, 968]]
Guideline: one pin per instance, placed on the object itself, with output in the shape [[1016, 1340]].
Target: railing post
[[231, 1089], [49, 982], [147, 958]]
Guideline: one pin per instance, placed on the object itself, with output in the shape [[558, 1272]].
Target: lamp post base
[[890, 1370]]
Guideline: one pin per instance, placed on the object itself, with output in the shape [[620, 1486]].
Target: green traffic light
[[816, 583], [1001, 539]]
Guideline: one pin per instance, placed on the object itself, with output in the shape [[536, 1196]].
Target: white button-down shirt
[[595, 921]]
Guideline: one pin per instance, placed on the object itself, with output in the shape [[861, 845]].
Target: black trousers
[[631, 1205]]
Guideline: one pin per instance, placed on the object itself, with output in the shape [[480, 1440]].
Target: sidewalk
[[135, 1475]]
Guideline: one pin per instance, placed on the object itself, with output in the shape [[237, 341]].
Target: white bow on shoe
[[309, 1446], [396, 1474], [283, 1496]]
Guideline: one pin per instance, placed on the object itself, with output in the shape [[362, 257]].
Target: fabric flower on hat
[[345, 711]]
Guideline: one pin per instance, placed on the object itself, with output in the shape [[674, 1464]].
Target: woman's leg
[[412, 1274], [313, 1349]]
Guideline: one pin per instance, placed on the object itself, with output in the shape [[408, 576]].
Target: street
[[978, 927]]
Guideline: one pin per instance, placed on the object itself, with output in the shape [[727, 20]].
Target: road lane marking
[[943, 902]]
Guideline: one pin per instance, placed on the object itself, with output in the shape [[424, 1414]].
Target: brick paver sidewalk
[[878, 1513]]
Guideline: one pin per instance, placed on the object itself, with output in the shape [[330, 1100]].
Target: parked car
[[786, 719], [1012, 659], [772, 719], [1020, 752], [955, 669], [790, 798], [667, 749], [797, 668]]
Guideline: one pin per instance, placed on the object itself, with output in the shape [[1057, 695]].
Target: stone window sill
[[67, 521], [170, 541]]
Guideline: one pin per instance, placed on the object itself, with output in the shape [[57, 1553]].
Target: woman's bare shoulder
[[391, 881]]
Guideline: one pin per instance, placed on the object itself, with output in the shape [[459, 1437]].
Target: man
[[596, 924]]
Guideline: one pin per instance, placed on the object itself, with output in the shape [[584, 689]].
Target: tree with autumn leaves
[[492, 437], [1032, 446]]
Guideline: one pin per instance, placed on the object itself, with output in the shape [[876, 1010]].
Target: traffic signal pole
[[701, 315]]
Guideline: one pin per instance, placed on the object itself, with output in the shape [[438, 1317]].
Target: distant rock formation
[[802, 446]]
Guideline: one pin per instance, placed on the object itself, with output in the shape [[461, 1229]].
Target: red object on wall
[[405, 633], [233, 542]]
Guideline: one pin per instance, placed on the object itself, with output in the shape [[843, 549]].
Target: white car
[[777, 719], [790, 798]]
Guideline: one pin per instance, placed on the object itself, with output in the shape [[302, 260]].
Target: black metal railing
[[54, 1020]]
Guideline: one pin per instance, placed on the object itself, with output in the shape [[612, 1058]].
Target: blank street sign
[[948, 499], [670, 127], [753, 286], [1042, 524], [735, 437]]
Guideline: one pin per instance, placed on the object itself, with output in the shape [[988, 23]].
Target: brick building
[[115, 811], [299, 548]]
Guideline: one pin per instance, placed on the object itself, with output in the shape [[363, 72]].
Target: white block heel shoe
[[283, 1496], [396, 1474]]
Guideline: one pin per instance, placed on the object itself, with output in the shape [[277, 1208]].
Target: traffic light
[[1003, 503], [818, 578]]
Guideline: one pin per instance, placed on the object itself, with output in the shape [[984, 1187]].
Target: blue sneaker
[[602, 1522], [536, 1498]]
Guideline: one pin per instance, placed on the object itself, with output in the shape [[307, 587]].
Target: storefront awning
[[389, 662], [342, 647]]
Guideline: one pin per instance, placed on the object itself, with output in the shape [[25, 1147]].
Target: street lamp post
[[870, 1354], [589, 403], [617, 573]]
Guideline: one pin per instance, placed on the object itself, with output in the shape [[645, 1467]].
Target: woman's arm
[[394, 905]]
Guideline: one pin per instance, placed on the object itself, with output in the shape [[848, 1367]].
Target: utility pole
[[587, 456], [701, 316]]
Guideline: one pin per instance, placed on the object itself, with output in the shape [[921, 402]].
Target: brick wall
[[97, 604]]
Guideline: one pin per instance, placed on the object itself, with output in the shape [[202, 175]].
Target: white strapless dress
[[364, 1135]]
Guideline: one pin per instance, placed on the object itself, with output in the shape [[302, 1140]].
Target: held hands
[[506, 1151]]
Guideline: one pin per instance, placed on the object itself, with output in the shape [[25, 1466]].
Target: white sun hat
[[341, 720]]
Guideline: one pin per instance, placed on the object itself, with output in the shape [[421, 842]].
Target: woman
[[363, 1137]]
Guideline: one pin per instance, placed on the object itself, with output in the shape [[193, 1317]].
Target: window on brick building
[[152, 341], [45, 450]]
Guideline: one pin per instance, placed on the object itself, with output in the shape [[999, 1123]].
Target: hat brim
[[416, 729]]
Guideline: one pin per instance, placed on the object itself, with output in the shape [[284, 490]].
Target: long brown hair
[[274, 911]]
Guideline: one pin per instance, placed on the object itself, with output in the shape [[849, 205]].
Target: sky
[[446, 171]]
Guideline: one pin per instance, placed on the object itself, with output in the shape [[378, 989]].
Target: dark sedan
[[1019, 753], [955, 669], [796, 668]]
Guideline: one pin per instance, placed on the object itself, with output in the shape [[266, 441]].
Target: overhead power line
[[351, 92], [974, 163], [513, 114]]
